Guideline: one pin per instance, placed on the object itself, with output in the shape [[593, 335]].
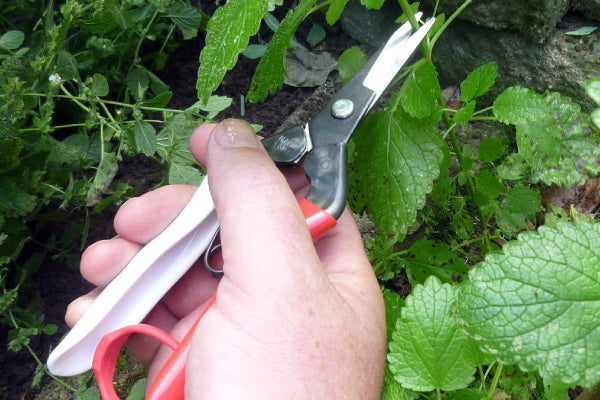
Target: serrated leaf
[[350, 62], [215, 105], [523, 200], [397, 159], [12, 40], [14, 200], [560, 146], [145, 137], [187, 18], [487, 187], [478, 82], [66, 66], [270, 71], [158, 101], [517, 105], [420, 91], [228, 32], [99, 86], [335, 10], [184, 174], [428, 346], [137, 83], [537, 304]]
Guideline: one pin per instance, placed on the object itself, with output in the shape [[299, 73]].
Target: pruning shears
[[320, 147]]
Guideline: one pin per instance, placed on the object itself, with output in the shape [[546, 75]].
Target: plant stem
[[494, 384]]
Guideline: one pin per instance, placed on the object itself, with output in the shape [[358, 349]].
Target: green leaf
[[316, 35], [478, 82], [523, 200], [350, 62], [583, 31], [420, 91], [427, 350], [397, 159], [538, 303], [214, 105], [14, 201], [393, 308], [184, 174], [99, 86], [12, 40], [592, 88], [227, 35], [270, 71], [10, 149], [425, 259], [145, 137], [335, 10], [490, 149], [159, 101], [187, 18], [137, 83], [595, 117], [464, 114], [372, 4], [66, 66], [517, 105], [107, 169], [487, 186], [138, 390]]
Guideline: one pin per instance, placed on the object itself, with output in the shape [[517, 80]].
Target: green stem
[[495, 381], [319, 6]]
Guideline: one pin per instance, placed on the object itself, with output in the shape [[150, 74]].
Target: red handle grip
[[317, 219]]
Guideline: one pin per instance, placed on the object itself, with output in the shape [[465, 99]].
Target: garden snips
[[320, 146]]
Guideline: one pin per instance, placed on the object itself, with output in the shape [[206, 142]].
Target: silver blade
[[394, 55]]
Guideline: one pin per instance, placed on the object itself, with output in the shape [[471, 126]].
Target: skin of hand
[[292, 320]]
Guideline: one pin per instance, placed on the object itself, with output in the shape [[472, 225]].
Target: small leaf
[[350, 62], [187, 18], [487, 186], [428, 346], [66, 66], [270, 72], [592, 87], [478, 82], [158, 101], [425, 259], [137, 82], [12, 40], [227, 35], [14, 200], [538, 303], [145, 137], [583, 31], [490, 149], [138, 390], [420, 91], [316, 35], [335, 10], [99, 86], [397, 159], [184, 174], [523, 200], [214, 105], [463, 115], [10, 149]]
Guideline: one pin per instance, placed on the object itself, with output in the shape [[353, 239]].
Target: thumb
[[264, 237]]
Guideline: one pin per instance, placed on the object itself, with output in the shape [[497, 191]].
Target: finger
[[103, 260], [261, 223], [142, 218], [78, 307]]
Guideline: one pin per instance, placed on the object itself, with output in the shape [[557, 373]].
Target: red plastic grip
[[317, 219]]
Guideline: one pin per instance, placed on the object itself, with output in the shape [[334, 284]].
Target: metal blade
[[394, 55]]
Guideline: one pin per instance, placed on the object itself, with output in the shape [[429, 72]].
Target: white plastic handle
[[141, 285]]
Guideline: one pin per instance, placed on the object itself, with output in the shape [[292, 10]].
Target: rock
[[562, 63], [591, 8], [534, 18], [307, 69], [371, 27]]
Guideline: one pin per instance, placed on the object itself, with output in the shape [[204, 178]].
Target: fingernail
[[235, 133]]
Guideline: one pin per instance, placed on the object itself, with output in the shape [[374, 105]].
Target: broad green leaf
[[592, 88], [335, 10], [428, 347], [561, 147], [99, 86], [158, 101], [420, 91], [184, 174], [138, 390], [215, 105], [490, 149], [478, 82], [187, 18], [397, 159], [425, 258], [12, 40], [66, 66], [595, 117], [350, 62], [523, 200], [270, 71], [487, 187], [393, 307], [517, 105], [392, 389], [14, 200], [137, 83], [227, 35], [145, 137], [537, 304]]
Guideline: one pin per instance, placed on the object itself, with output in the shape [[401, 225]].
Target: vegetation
[[505, 292]]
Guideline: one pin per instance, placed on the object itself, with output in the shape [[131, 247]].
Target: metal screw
[[342, 108]]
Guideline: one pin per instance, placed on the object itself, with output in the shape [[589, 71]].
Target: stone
[[371, 27], [534, 18], [562, 63]]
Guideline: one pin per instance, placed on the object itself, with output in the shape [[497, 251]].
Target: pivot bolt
[[342, 108]]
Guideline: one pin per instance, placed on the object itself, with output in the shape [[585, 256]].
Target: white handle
[[141, 285]]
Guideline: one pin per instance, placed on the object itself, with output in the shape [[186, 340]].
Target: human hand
[[292, 319]]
